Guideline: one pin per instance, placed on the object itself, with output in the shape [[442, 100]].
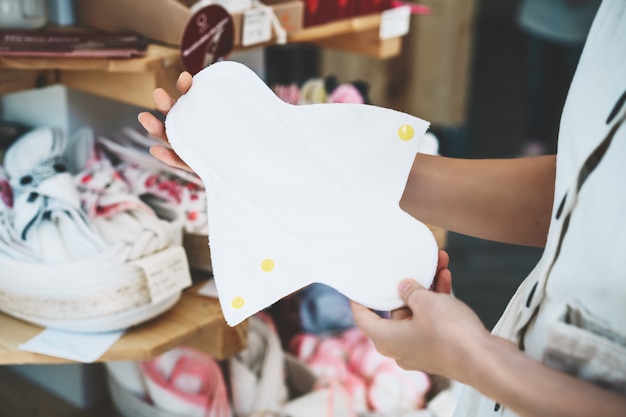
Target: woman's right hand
[[163, 103]]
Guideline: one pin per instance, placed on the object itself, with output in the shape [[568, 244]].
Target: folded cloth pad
[[11, 245], [187, 382], [300, 194], [47, 211], [120, 216], [257, 373], [173, 193]]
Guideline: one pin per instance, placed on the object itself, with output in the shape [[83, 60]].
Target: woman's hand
[[156, 128], [431, 333]]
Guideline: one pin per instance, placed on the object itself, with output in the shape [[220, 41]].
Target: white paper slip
[[81, 347], [167, 272], [257, 26], [395, 22]]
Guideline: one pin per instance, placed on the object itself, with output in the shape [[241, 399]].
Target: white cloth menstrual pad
[[300, 194]]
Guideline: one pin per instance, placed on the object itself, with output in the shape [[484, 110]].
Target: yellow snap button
[[237, 302], [406, 132], [267, 265]]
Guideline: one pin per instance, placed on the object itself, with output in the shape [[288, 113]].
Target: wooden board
[[16, 80], [194, 316], [357, 35], [366, 43], [430, 76], [131, 81], [128, 80]]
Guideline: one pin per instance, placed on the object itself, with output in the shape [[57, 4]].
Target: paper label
[[80, 347], [395, 22], [167, 272], [256, 26]]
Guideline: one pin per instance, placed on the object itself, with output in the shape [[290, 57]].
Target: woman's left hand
[[432, 333]]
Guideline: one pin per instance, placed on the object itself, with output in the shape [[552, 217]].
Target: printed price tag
[[395, 22], [256, 26], [167, 272]]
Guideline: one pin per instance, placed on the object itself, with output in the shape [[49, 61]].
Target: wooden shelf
[[133, 80], [195, 320], [129, 80], [357, 35], [13, 81]]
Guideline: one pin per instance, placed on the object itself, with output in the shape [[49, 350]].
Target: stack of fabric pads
[[173, 193], [79, 251]]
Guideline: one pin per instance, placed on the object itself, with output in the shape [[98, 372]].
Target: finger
[[368, 321], [168, 156], [401, 313], [162, 100], [183, 84], [361, 310], [384, 333], [153, 125], [404, 365], [407, 288], [443, 283], [443, 259]]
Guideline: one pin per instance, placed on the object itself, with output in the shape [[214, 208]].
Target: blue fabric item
[[323, 309]]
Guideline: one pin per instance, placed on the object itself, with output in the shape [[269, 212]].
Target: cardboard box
[[372, 6], [319, 12], [290, 14], [165, 20]]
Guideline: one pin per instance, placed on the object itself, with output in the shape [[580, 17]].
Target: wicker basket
[[130, 405], [95, 294]]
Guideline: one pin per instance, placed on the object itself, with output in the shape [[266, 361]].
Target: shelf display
[[133, 80], [195, 320], [45, 283], [262, 377], [310, 375]]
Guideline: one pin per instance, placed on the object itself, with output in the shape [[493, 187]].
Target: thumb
[[408, 286]]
